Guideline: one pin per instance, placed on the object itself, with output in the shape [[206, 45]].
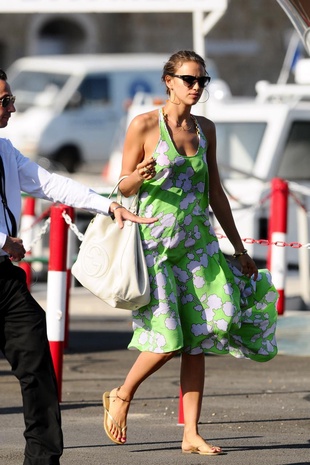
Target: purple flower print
[[187, 298], [162, 159], [214, 302], [174, 241], [200, 186], [184, 181], [221, 324], [172, 322], [199, 330], [199, 282], [182, 275], [188, 200], [229, 309], [167, 221], [161, 281], [179, 161], [213, 248], [162, 309], [228, 289], [188, 220]]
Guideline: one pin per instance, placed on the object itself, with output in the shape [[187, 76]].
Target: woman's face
[[186, 88]]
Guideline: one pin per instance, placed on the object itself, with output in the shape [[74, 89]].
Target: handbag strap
[[116, 185], [133, 205]]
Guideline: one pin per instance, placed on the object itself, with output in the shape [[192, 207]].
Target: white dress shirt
[[21, 174]]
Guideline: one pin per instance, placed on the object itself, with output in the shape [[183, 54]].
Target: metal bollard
[[57, 290], [277, 234]]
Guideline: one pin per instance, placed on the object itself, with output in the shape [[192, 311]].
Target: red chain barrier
[[266, 242]]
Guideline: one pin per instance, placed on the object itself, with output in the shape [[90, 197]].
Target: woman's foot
[[197, 445], [116, 408]]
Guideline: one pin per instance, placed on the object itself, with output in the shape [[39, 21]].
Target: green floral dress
[[199, 302]]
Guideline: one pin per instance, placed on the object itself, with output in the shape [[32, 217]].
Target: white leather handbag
[[111, 263]]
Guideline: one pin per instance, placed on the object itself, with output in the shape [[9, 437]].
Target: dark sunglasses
[[5, 101], [189, 80]]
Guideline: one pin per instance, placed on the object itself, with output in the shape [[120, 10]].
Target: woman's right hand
[[146, 169]]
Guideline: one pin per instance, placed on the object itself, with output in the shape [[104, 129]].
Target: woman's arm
[[137, 162], [220, 205]]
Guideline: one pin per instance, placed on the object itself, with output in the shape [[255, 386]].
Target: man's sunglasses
[[5, 101], [189, 80]]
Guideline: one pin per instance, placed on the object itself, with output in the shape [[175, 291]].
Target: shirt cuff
[[3, 237]]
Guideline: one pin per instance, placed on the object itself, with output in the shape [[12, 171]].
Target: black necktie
[[7, 212]]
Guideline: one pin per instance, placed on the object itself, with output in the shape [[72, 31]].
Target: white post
[[304, 260], [198, 35]]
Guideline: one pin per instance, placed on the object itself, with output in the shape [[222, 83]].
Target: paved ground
[[258, 413]]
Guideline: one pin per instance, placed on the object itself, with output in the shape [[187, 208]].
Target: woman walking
[[199, 302]]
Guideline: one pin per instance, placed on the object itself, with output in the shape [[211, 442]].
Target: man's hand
[[121, 214], [14, 248]]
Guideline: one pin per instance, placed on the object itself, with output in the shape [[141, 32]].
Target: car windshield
[[36, 88], [237, 147]]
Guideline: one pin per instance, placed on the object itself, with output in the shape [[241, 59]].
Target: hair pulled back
[[3, 76], [177, 60]]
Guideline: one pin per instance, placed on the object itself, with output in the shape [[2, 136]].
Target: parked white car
[[69, 108]]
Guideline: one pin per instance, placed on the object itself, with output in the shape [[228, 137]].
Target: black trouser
[[23, 341]]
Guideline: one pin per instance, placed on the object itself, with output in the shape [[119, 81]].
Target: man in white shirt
[[23, 338]]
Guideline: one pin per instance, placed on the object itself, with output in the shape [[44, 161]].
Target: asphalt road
[[258, 413]]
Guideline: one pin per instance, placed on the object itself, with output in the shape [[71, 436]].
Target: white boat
[[259, 139]]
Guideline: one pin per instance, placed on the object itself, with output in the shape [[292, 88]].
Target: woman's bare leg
[[146, 364], [192, 384]]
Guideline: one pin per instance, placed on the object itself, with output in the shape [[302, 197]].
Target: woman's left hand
[[248, 266]]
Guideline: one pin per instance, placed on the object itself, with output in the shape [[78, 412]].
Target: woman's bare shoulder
[[145, 121], [206, 124]]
